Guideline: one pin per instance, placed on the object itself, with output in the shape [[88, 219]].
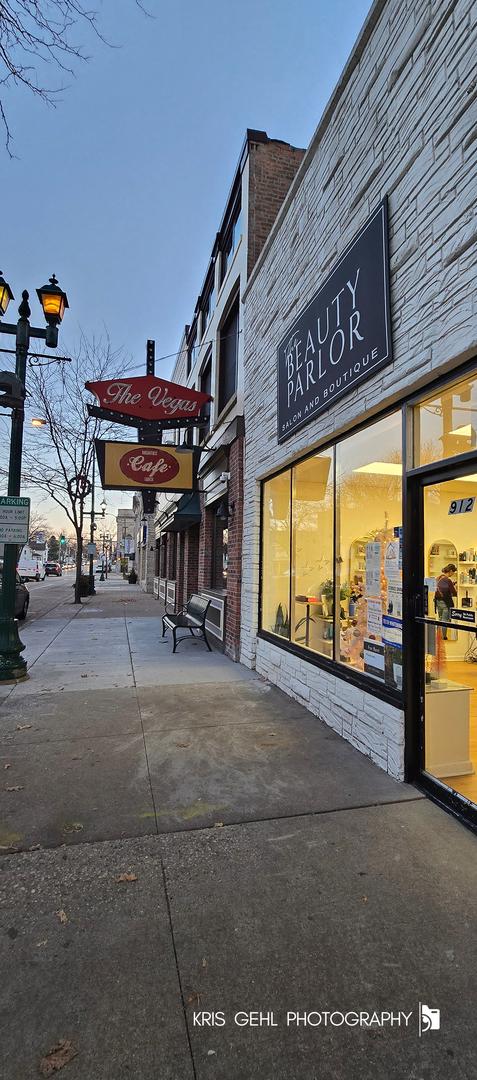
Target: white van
[[30, 569]]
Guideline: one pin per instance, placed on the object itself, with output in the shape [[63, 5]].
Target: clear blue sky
[[121, 187]]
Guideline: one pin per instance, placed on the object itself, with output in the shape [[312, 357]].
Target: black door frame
[[413, 633]]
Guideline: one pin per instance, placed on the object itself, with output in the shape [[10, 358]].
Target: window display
[[312, 553], [276, 555], [369, 565], [352, 613]]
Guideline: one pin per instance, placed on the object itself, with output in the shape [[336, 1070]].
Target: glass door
[[446, 614]]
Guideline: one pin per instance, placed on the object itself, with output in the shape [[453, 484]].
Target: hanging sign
[[134, 465], [14, 519], [344, 334], [148, 398]]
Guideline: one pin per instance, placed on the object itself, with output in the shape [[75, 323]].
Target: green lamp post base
[[12, 665]]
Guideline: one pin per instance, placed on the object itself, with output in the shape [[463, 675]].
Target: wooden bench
[[191, 617]]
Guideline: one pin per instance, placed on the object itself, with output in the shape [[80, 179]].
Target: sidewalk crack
[[153, 801]]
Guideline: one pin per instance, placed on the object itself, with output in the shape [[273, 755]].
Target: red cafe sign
[[148, 398], [131, 466], [148, 464]]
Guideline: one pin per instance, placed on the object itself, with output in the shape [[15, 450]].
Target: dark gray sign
[[462, 616], [344, 334]]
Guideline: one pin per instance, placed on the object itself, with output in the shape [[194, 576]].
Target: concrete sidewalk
[[276, 869]]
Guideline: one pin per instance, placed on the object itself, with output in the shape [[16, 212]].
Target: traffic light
[[62, 539]]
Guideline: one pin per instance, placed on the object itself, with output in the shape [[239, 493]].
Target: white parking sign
[[14, 519]]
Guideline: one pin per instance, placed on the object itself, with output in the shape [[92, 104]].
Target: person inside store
[[444, 594]]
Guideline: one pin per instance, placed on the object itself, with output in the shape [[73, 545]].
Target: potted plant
[[132, 577]]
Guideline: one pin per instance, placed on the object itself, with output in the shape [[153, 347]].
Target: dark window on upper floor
[[207, 307], [191, 344], [205, 386], [228, 354], [231, 238]]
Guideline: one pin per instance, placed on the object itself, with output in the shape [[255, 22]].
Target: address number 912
[[461, 506]]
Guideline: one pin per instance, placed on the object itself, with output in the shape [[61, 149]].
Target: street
[[186, 848]]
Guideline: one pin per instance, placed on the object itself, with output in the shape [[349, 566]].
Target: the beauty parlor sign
[[344, 334]]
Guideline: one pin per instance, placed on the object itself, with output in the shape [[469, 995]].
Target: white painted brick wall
[[402, 124]]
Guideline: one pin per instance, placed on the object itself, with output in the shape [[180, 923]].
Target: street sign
[[14, 519], [148, 398], [91, 549], [136, 466]]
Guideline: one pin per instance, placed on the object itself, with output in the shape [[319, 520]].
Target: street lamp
[[54, 303]]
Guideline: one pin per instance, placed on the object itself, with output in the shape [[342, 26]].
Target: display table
[[447, 726]]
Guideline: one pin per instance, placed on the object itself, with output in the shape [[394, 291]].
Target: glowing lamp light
[[5, 295], [37, 421], [53, 301]]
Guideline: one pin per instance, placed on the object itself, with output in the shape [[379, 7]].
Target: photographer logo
[[429, 1019]]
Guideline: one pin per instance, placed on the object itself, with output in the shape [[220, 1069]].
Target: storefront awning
[[186, 514]]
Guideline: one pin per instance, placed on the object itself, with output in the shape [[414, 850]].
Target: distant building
[[199, 535], [125, 531]]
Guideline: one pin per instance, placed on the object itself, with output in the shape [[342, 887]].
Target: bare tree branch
[[36, 35], [57, 456]]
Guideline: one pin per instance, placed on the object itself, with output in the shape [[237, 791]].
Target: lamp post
[[54, 303]]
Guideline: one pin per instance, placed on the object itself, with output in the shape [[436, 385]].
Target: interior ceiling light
[[382, 468], [465, 430]]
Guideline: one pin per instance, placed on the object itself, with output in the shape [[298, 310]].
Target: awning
[[186, 514]]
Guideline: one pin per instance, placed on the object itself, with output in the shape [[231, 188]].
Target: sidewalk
[[276, 870]]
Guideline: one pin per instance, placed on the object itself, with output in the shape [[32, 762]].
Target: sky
[[120, 188]]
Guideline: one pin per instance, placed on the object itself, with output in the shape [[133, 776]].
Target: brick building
[[359, 594], [199, 537]]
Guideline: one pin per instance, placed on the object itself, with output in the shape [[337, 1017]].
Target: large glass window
[[446, 424], [312, 553], [350, 609], [369, 565], [276, 555]]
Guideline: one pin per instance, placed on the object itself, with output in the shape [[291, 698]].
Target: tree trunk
[[79, 563]]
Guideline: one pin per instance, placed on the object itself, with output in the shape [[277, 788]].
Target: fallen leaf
[[17, 787], [218, 824], [7, 766], [126, 877], [204, 962], [210, 1052], [58, 1056], [24, 727], [34, 847], [73, 826], [364, 899], [193, 998], [84, 676], [40, 943], [62, 916], [184, 744]]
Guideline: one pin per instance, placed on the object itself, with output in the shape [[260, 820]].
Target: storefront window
[[276, 555], [312, 553], [446, 424], [219, 547], [369, 565]]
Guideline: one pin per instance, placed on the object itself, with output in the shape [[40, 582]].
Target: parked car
[[22, 595], [53, 568], [30, 569]]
